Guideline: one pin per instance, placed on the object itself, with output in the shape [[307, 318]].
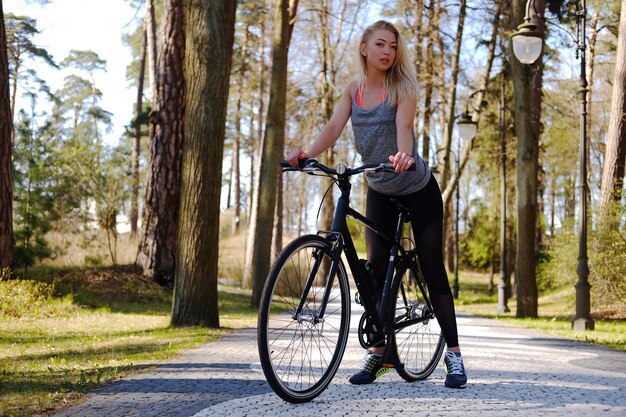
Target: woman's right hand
[[294, 156]]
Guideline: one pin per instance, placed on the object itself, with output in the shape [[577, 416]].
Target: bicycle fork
[[319, 256]]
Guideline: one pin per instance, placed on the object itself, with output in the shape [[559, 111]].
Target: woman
[[382, 109]]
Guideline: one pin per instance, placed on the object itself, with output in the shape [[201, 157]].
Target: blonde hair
[[400, 81]]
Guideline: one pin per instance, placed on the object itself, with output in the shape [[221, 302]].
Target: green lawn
[[75, 329], [81, 337], [556, 311]]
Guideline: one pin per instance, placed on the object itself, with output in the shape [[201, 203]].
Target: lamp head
[[527, 42], [467, 126]]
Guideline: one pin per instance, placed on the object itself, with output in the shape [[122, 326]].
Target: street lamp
[[503, 284], [468, 127], [526, 36], [527, 41], [467, 131]]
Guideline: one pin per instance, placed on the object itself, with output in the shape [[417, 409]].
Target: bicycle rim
[[420, 344], [300, 354]]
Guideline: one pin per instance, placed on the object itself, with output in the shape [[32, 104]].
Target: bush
[[607, 260], [26, 298], [607, 256], [558, 263]]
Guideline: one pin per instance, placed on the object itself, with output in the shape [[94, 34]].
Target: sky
[[86, 25]]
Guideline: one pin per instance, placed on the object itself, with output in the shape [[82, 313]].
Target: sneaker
[[372, 369], [455, 371]]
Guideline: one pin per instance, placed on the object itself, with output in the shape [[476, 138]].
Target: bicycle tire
[[419, 346], [300, 357]]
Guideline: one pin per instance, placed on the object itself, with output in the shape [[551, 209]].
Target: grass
[[72, 329], [556, 311], [89, 327]]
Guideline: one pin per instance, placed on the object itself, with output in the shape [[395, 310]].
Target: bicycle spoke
[[418, 337], [300, 351]]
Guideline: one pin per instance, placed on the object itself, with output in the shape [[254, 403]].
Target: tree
[[90, 62], [157, 244], [255, 138], [235, 166], [20, 31], [615, 154], [207, 72], [527, 83], [149, 22], [137, 42], [451, 102], [34, 199], [264, 200], [427, 80], [330, 60], [139, 113], [6, 129], [444, 163]]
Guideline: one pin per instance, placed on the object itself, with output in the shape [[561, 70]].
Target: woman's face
[[380, 50]]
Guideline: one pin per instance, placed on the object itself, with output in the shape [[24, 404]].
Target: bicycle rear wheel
[[419, 341], [301, 352]]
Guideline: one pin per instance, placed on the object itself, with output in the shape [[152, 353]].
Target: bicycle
[[304, 313]]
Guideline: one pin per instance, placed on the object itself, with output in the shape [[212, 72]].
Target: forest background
[[76, 194], [189, 193]]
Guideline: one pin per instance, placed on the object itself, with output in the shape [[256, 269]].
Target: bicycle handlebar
[[312, 165]]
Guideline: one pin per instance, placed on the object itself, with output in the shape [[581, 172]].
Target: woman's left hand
[[401, 161]]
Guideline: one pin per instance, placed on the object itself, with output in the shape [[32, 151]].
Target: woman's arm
[[331, 132], [404, 125]]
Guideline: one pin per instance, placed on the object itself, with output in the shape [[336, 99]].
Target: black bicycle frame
[[342, 242], [340, 228]]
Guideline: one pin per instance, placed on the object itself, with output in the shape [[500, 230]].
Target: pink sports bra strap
[[359, 95]]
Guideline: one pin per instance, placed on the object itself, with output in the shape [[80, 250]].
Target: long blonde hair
[[400, 81]]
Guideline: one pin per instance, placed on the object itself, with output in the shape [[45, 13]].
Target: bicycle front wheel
[[419, 341], [304, 319]]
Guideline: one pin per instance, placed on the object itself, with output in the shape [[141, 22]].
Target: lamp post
[[527, 48], [503, 287], [467, 131]]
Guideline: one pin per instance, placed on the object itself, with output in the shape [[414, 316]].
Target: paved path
[[512, 372]]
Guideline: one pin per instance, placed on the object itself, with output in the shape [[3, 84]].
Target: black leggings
[[426, 213]]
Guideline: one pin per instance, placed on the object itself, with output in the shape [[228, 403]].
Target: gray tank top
[[375, 135]]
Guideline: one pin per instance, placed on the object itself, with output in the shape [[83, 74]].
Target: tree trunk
[[16, 74], [414, 9], [449, 126], [277, 235], [150, 27], [615, 154], [552, 205], [467, 148], [156, 253], [450, 183], [428, 82], [327, 88], [264, 201], [134, 202], [527, 81], [207, 73], [451, 102], [6, 149], [236, 174], [541, 188], [256, 144]]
